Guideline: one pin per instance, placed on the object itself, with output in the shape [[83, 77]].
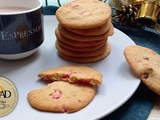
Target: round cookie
[[77, 37], [87, 59], [60, 37], [93, 31], [81, 53], [83, 14], [80, 49], [145, 63], [72, 74], [62, 97]]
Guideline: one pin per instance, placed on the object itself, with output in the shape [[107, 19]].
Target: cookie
[[72, 74], [78, 37], [62, 97], [146, 65], [87, 59], [83, 14], [81, 53], [74, 43], [80, 49], [93, 31]]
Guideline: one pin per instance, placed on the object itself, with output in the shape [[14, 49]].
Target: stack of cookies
[[83, 31]]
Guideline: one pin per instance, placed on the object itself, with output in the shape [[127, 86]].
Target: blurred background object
[[144, 14]]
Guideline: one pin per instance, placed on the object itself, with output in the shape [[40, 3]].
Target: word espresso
[[5, 35]]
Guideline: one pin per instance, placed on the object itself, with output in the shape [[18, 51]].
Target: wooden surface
[[155, 113]]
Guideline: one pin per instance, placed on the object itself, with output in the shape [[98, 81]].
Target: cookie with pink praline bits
[[62, 97], [84, 23], [83, 14], [145, 63], [72, 74]]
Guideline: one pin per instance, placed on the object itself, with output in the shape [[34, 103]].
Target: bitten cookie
[[146, 65], [62, 97], [72, 74], [94, 13]]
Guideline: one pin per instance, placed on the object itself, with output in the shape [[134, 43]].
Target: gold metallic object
[[148, 13], [135, 2], [158, 20]]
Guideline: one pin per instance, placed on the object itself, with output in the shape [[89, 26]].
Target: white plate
[[119, 82]]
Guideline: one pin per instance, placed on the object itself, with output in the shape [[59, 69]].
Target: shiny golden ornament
[[135, 2], [148, 13]]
